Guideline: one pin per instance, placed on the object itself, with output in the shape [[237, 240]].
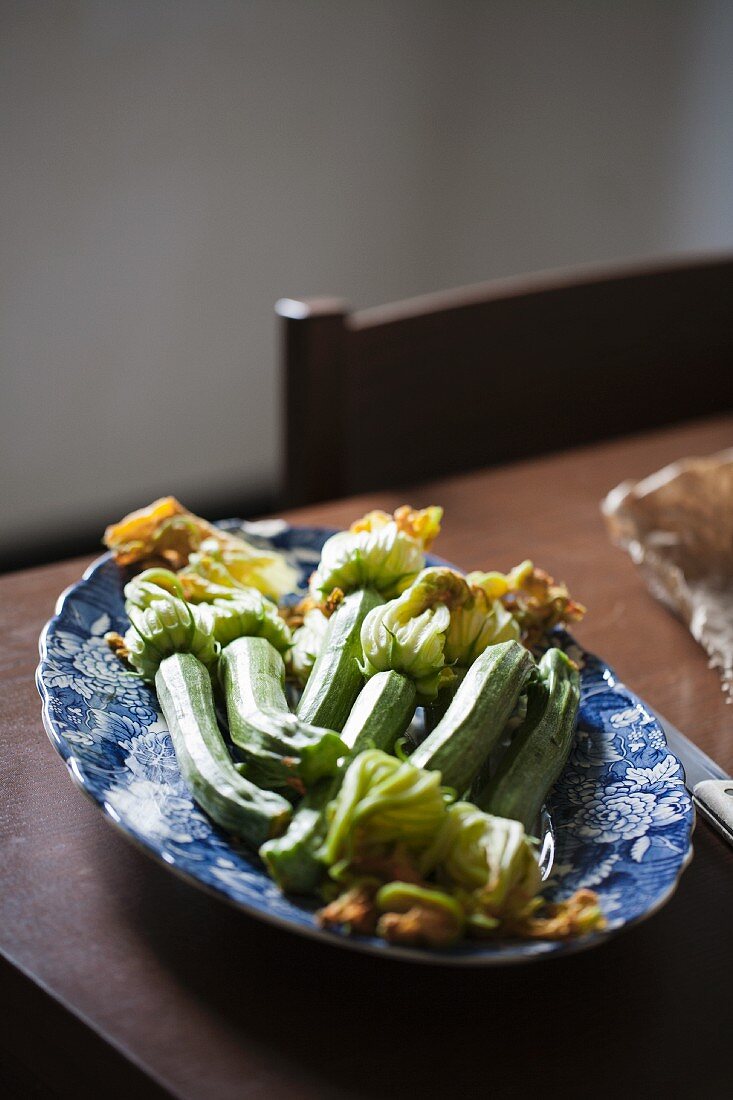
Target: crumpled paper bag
[[677, 525]]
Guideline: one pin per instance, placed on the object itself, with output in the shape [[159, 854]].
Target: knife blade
[[710, 786]]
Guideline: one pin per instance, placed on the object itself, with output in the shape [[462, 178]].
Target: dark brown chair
[[484, 374]]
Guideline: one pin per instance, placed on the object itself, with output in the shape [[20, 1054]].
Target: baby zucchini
[[381, 713], [184, 690], [336, 679], [279, 749], [475, 719], [293, 859], [532, 764]]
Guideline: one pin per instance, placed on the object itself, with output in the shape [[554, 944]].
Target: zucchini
[[293, 859], [475, 719], [279, 749], [539, 750], [381, 714], [184, 690], [336, 679]]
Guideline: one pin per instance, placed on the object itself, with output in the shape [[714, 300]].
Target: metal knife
[[711, 788]]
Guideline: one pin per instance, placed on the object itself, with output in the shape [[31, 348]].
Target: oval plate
[[621, 814]]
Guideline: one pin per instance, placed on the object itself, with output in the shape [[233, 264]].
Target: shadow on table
[[607, 1019]]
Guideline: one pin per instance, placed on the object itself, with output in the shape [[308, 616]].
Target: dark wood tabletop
[[119, 979]]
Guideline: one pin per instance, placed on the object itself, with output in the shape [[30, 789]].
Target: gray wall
[[170, 168]]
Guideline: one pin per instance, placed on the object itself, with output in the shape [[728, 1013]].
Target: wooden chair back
[[504, 370]]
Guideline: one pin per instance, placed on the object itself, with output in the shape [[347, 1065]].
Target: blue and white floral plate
[[621, 815]]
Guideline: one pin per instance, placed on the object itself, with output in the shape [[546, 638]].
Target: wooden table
[[121, 980]]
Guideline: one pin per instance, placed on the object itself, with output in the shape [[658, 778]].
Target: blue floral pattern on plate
[[622, 818]]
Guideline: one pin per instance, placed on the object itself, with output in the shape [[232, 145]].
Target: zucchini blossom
[[434, 869], [418, 914], [167, 532], [488, 863], [535, 600], [151, 585], [307, 644], [408, 634], [249, 615], [476, 624], [490, 866], [378, 551], [219, 569], [242, 612], [383, 801], [167, 625]]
